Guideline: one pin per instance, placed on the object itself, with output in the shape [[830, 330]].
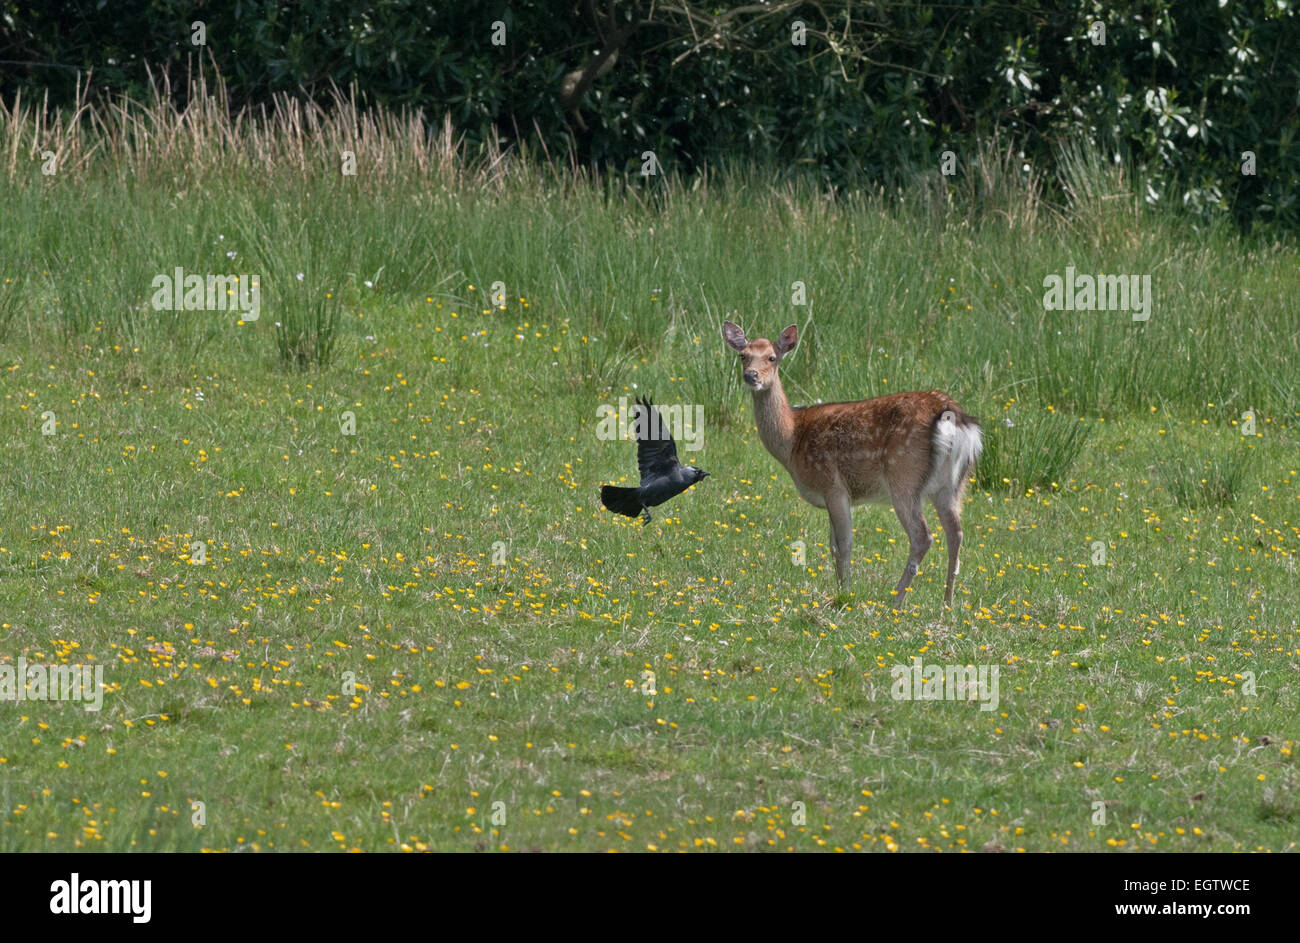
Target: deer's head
[[760, 357]]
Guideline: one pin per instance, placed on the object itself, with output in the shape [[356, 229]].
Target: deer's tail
[[956, 441]]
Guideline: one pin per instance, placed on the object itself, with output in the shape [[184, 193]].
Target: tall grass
[[1198, 480], [14, 293], [1034, 448], [940, 285]]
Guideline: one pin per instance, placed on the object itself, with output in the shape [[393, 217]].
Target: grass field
[[413, 626]]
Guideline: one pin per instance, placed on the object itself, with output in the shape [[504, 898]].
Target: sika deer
[[901, 449]]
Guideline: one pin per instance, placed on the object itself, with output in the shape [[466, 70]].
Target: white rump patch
[[955, 449]]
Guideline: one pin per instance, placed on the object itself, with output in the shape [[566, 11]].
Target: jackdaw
[[662, 476]]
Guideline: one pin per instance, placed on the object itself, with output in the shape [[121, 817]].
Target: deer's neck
[[775, 421]]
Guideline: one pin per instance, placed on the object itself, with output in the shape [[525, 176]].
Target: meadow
[[346, 572]]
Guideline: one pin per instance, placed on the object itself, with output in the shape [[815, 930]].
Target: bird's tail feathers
[[621, 500]]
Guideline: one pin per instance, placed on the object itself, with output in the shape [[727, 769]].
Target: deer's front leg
[[840, 510]]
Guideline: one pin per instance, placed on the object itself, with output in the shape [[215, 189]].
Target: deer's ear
[[788, 340], [734, 336]]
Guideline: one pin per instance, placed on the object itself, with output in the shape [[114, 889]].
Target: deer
[[898, 449]]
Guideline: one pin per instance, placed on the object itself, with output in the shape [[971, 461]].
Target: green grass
[[1196, 481], [1030, 447], [1153, 674]]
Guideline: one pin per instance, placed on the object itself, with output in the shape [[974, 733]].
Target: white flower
[[300, 276]]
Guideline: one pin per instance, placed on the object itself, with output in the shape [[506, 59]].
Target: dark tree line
[[1194, 94]]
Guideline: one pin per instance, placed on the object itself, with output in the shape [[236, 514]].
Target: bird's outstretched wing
[[656, 452]]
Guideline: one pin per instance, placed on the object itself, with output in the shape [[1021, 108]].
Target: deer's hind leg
[[948, 506], [908, 508]]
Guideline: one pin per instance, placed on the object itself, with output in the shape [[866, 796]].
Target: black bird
[[662, 476]]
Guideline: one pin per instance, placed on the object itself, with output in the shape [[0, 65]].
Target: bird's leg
[[645, 515]]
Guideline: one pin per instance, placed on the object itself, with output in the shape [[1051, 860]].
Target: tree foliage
[[1192, 96]]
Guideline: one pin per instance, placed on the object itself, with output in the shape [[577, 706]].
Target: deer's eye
[[772, 359]]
